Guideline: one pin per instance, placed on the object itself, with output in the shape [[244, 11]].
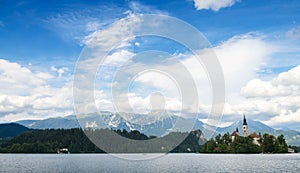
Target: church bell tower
[[245, 127]]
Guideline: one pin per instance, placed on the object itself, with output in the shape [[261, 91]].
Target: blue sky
[[256, 41], [27, 27]]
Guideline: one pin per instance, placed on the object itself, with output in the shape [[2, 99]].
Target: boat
[[63, 151]]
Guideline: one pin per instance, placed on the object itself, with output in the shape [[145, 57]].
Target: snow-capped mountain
[[150, 124], [154, 125]]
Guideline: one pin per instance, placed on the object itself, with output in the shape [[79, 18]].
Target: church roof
[[235, 133], [254, 135]]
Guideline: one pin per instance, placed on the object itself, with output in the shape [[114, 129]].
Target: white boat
[[63, 151]]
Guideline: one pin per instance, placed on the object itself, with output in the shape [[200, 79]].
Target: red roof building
[[234, 134]]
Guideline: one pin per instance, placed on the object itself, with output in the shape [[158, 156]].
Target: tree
[[281, 146], [268, 144], [210, 146]]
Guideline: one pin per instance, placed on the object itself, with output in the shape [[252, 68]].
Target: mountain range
[[153, 125]]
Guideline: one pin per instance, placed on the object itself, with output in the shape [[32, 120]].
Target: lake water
[[169, 163]]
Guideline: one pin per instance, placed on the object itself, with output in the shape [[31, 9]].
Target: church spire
[[245, 127], [245, 121]]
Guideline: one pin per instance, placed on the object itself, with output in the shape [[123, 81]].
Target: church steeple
[[245, 127], [245, 121]]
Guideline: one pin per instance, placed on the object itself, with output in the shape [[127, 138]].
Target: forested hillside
[[11, 130], [49, 140]]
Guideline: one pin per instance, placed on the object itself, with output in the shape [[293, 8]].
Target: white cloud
[[238, 60], [139, 8], [241, 58], [111, 37], [118, 58], [215, 5], [276, 101], [74, 23], [102, 41], [285, 84], [60, 71], [93, 26], [16, 79], [239, 64], [144, 105], [28, 94], [293, 33], [158, 80]]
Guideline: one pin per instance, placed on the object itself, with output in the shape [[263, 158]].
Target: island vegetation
[[266, 144]]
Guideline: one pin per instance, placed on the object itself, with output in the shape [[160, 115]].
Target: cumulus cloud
[[28, 94], [276, 101], [241, 58], [214, 5], [285, 84], [16, 79], [239, 63]]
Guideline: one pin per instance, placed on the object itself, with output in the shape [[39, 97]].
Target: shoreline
[[155, 153]]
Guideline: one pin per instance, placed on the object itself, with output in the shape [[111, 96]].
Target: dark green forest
[[11, 129], [48, 141]]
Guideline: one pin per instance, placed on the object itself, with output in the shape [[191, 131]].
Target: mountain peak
[[11, 130]]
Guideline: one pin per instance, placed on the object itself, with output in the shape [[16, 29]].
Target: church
[[254, 136]]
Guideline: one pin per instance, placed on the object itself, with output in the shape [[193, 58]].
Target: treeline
[[48, 141], [266, 144]]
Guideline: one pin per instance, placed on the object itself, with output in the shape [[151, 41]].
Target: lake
[[168, 163]]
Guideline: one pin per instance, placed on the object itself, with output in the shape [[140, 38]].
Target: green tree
[[268, 144]]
